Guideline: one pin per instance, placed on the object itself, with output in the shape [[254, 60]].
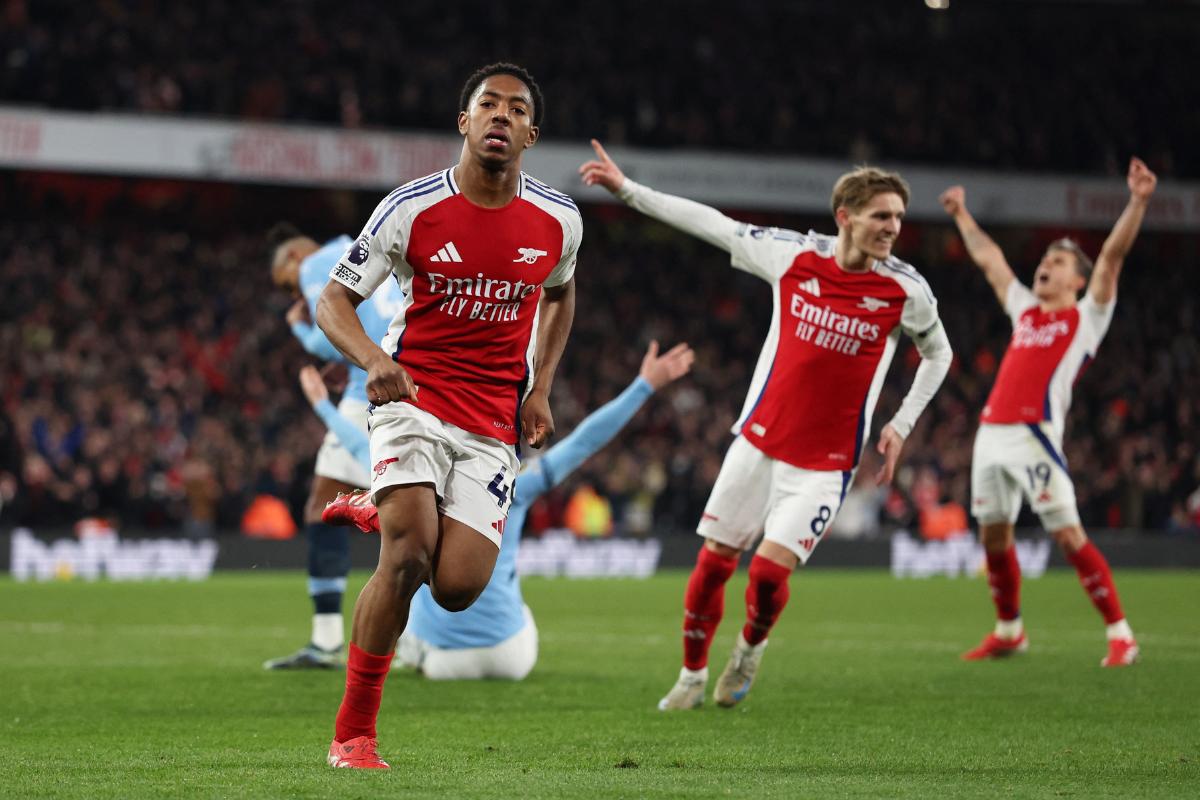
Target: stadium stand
[[962, 89], [146, 373]]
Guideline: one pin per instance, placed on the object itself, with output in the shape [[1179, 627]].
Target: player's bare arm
[[986, 254], [387, 381], [556, 314], [1142, 182], [695, 219]]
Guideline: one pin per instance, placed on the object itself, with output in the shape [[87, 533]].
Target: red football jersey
[[832, 337], [472, 278], [1045, 356]]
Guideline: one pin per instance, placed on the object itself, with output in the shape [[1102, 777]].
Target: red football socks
[[365, 674], [1097, 581], [766, 596], [1004, 576], [704, 605]]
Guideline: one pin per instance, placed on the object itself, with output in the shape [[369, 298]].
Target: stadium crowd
[[147, 375], [982, 84]]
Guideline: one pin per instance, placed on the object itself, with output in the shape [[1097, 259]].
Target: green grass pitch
[[156, 690]]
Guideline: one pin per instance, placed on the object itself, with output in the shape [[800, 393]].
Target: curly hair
[[504, 68]]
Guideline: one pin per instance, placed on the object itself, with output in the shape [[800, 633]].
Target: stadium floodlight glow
[[938, 5]]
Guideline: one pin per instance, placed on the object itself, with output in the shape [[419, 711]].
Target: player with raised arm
[[496, 637], [841, 303], [1018, 448], [301, 266], [485, 255]]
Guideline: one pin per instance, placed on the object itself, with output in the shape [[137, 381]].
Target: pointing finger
[[599, 148]]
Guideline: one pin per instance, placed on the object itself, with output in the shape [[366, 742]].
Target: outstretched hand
[[297, 312], [658, 370], [313, 385], [890, 444], [1141, 180], [953, 200], [602, 171]]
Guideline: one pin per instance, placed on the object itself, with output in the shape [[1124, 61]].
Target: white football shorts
[[473, 475], [1019, 462], [510, 660], [755, 493], [334, 461]]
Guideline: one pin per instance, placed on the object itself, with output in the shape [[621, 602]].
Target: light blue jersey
[[497, 614], [375, 313]]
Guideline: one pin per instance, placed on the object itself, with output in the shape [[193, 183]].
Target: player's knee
[[766, 571], [995, 536], [455, 595], [517, 669], [404, 534], [455, 590], [723, 550], [1069, 537], [406, 559]]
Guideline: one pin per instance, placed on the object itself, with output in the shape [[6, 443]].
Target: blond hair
[[1083, 264], [856, 188]]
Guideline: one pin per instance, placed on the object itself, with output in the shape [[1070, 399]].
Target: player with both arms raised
[[840, 305], [486, 257], [1018, 449]]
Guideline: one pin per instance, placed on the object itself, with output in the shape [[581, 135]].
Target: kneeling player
[[1018, 449], [841, 303], [496, 637]]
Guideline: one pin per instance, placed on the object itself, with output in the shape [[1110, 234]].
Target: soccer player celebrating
[[1018, 449], [840, 305], [485, 255], [301, 266], [496, 637]]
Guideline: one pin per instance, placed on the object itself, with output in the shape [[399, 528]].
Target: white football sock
[[328, 631], [1118, 630], [694, 674], [1010, 628]]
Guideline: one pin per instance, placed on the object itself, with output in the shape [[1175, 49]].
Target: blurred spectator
[[588, 514], [147, 375], [995, 83]]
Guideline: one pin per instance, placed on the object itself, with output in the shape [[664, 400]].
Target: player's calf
[[1096, 578], [766, 596], [704, 603]]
